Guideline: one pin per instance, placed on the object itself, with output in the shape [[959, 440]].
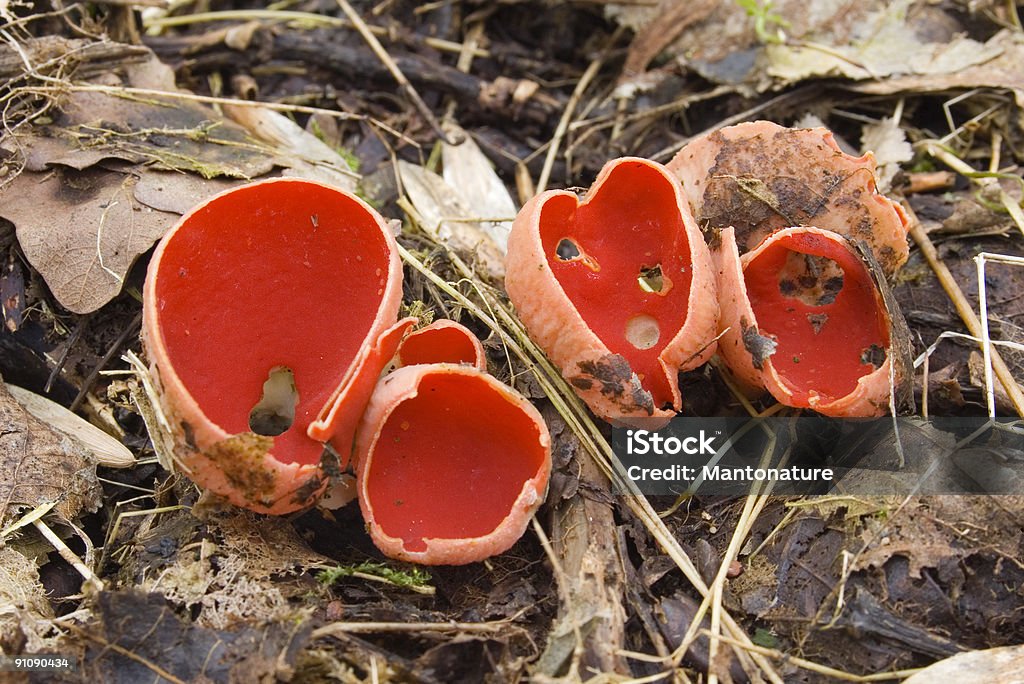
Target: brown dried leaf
[[1001, 69], [40, 466], [148, 635], [305, 155], [178, 192], [105, 450], [168, 132], [81, 230]]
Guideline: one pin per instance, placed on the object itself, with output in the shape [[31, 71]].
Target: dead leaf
[[144, 626], [105, 450], [82, 230], [917, 536], [768, 45], [469, 172], [443, 213], [1005, 665], [40, 466], [890, 48], [168, 132], [889, 144], [178, 192], [303, 153], [1000, 70]]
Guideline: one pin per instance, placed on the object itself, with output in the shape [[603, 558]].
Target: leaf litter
[[907, 582]]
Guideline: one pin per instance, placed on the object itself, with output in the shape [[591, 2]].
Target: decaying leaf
[[444, 214], [1001, 69], [82, 230], [178, 192], [301, 151], [468, 171], [106, 450], [889, 144], [884, 44], [40, 466], [146, 634], [168, 132], [767, 44]]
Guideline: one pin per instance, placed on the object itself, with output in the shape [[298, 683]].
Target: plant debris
[[117, 120]]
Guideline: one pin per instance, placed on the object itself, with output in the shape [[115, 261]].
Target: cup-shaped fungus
[[264, 307], [804, 318], [759, 177], [450, 464], [618, 289], [443, 341]]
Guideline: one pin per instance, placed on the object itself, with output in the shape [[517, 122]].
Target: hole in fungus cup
[[632, 303], [803, 317]]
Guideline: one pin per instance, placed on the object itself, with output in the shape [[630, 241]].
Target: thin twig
[[395, 72], [335, 628], [570, 106], [68, 555]]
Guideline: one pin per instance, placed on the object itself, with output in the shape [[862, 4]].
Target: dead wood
[[502, 97], [583, 533], [53, 55]]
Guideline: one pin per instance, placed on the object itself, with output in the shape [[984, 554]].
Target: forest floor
[[127, 568]]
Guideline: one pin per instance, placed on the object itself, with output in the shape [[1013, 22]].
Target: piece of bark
[[83, 58], [592, 584]]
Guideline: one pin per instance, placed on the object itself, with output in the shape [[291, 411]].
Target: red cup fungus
[[758, 177], [450, 463], [803, 318], [443, 341], [284, 278], [618, 288]]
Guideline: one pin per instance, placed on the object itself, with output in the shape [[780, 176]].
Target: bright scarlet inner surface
[[437, 345], [450, 462], [820, 347], [631, 226], [281, 274]]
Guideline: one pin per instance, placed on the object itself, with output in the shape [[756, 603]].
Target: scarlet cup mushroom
[[282, 274], [618, 288], [802, 317], [450, 463], [758, 177], [443, 341]]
